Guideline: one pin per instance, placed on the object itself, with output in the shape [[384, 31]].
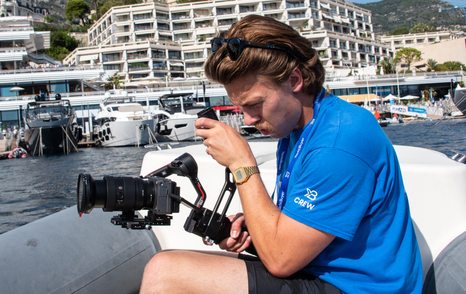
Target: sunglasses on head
[[235, 46]]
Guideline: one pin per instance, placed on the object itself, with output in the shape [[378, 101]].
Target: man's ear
[[296, 80]]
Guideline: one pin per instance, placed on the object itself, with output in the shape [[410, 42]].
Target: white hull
[[179, 127], [126, 133]]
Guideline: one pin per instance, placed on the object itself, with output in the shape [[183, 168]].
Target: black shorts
[[261, 281]]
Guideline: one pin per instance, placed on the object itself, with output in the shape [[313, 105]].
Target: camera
[[160, 197]]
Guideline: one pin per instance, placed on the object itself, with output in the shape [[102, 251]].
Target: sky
[[460, 3]]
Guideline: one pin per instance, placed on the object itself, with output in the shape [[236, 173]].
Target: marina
[[165, 122]]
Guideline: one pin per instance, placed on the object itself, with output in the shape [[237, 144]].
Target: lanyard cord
[[284, 178]]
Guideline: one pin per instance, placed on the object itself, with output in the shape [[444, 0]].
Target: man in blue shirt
[[340, 221]]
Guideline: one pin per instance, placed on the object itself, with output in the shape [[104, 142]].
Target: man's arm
[[283, 244]]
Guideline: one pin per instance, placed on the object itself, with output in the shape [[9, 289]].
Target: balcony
[[138, 66], [181, 16], [225, 11], [111, 57], [291, 5], [143, 27], [247, 8], [142, 16], [162, 16], [181, 26], [136, 55]]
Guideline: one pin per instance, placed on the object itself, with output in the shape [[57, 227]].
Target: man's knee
[[156, 273], [157, 263]]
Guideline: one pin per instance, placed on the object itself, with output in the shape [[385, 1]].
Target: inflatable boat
[[64, 253]]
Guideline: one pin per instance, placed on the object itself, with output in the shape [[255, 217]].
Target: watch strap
[[248, 171]]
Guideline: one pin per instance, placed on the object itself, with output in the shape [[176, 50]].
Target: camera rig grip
[[211, 225]]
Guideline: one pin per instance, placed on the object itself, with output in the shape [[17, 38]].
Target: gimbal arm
[[185, 166]]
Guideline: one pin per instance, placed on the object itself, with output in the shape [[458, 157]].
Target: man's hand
[[239, 239], [224, 144]]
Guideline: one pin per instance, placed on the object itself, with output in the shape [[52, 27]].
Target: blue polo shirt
[[347, 182]]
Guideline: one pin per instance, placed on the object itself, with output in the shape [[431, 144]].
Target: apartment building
[[420, 39], [29, 8], [19, 42], [157, 42]]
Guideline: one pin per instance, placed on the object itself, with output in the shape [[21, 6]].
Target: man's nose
[[250, 119]]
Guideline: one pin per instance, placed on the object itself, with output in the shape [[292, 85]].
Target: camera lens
[[89, 193], [126, 193]]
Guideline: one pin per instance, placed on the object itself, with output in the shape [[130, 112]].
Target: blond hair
[[275, 64]]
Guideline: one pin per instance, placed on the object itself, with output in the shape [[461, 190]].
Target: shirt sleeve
[[330, 190]]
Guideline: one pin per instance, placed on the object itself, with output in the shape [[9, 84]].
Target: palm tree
[[114, 81], [431, 64], [388, 65]]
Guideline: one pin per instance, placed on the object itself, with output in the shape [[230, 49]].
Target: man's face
[[272, 109]]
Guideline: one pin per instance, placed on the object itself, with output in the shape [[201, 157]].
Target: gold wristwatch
[[242, 174]]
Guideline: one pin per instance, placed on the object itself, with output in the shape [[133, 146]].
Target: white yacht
[[123, 122], [176, 120]]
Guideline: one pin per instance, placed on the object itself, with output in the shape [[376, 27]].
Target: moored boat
[[177, 115], [123, 122], [51, 127], [459, 99]]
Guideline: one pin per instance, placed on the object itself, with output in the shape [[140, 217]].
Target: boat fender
[[63, 253]]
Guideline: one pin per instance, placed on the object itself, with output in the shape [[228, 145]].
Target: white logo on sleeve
[[310, 196]]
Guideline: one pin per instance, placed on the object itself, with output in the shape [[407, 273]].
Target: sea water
[[34, 187]]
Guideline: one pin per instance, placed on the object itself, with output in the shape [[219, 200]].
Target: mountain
[[387, 15]]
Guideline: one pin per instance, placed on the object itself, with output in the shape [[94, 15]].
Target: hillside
[[388, 15]]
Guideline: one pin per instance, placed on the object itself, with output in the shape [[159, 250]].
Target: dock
[[87, 143]]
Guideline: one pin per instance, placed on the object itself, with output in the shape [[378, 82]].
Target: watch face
[[239, 175]]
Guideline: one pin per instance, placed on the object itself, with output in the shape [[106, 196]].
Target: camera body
[[160, 197]]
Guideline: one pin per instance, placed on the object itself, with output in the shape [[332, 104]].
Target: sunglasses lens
[[215, 44], [234, 48]]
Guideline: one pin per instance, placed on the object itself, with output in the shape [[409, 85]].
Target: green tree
[[431, 64], [61, 38], [77, 9], [61, 43], [114, 82], [388, 65], [106, 5], [58, 53], [422, 28], [400, 31], [451, 66], [407, 55]]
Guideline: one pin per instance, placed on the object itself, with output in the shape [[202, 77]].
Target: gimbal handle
[[185, 166], [212, 226]]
